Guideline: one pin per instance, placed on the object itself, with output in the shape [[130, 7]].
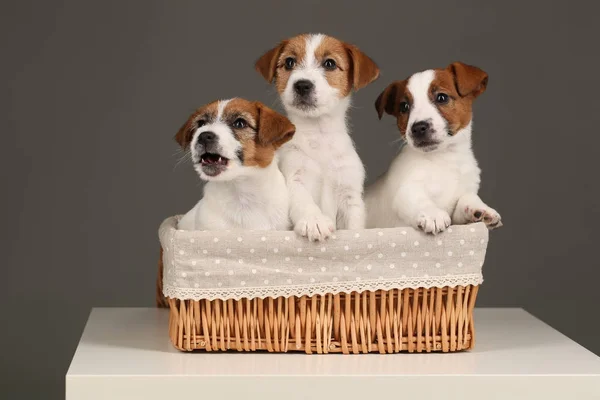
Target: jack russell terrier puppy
[[315, 75], [434, 180], [232, 145]]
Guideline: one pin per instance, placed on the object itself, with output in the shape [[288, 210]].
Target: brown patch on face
[[205, 113], [340, 77], [390, 101], [294, 48], [354, 70], [271, 65], [265, 132], [462, 84]]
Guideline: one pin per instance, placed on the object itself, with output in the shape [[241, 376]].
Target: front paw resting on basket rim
[[487, 215], [433, 220], [315, 227], [470, 209]]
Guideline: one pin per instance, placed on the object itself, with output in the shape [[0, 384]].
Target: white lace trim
[[320, 289]]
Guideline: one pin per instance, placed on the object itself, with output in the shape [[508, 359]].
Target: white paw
[[433, 220], [315, 227], [488, 215]]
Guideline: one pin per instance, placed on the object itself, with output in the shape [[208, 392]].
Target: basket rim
[[204, 264], [170, 224]]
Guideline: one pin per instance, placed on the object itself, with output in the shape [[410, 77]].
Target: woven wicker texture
[[421, 320]]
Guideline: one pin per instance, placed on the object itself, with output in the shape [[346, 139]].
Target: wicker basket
[[380, 321]]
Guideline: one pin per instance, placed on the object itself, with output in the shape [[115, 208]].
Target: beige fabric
[[248, 264]]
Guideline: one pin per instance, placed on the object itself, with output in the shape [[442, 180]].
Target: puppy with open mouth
[[315, 75], [434, 180], [233, 147]]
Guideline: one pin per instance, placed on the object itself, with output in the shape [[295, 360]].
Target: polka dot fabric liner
[[257, 264]]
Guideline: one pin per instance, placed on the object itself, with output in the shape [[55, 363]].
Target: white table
[[125, 353]]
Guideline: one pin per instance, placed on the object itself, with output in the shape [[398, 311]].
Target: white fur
[[429, 189], [324, 174], [257, 201], [241, 197]]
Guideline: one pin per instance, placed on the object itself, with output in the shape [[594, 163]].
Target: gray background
[[96, 92]]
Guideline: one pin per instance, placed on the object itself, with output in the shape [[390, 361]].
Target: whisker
[[187, 156], [401, 142]]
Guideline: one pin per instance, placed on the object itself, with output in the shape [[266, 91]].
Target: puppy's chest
[[441, 184], [447, 181], [249, 212], [328, 154], [226, 210]]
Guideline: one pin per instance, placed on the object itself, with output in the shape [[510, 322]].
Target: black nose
[[420, 129], [303, 87], [207, 138]]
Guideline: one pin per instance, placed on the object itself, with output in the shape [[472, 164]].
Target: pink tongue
[[213, 160]]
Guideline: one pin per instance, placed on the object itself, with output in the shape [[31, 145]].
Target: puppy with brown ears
[[434, 180], [233, 147], [315, 75]]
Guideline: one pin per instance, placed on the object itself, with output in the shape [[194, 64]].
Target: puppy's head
[[433, 107], [313, 73], [232, 138]]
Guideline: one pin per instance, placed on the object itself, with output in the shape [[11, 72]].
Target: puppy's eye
[[240, 123], [404, 107], [290, 63], [329, 64], [442, 98], [200, 123]]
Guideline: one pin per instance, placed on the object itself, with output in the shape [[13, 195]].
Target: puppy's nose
[[420, 129], [303, 87], [206, 138]]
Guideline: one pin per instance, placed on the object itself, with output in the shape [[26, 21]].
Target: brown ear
[[273, 128], [389, 99], [469, 80], [364, 70], [266, 65], [184, 135]]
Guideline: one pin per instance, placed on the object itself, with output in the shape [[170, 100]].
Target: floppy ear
[[469, 80], [364, 70], [184, 135], [273, 128], [388, 99], [266, 65]]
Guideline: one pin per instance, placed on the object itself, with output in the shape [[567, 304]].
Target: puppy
[[315, 76], [232, 145], [434, 180]]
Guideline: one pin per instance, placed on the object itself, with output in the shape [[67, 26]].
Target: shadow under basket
[[422, 319]]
